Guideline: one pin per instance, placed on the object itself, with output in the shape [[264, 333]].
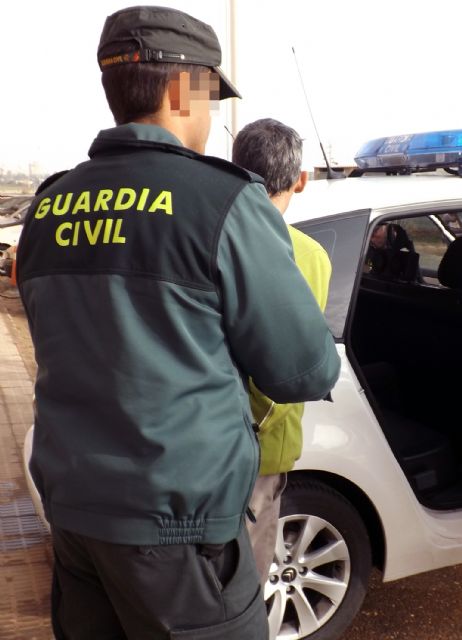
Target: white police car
[[379, 481]]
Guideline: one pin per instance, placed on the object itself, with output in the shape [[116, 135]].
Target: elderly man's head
[[274, 151]]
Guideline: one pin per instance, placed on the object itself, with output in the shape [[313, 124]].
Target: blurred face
[[379, 237], [194, 95]]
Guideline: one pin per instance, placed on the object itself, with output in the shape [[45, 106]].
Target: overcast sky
[[369, 69]]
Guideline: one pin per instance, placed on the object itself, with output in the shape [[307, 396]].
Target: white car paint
[[324, 198], [10, 235]]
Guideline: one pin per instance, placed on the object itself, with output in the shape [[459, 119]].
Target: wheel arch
[[361, 502]]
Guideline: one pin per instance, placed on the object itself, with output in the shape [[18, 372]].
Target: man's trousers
[[106, 591]]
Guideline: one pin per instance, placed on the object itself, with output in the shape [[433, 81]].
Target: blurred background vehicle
[[13, 209]]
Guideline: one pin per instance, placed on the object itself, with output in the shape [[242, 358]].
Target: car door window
[[345, 256], [429, 242], [452, 222]]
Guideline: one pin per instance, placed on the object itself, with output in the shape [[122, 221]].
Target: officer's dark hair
[[135, 90], [271, 149]]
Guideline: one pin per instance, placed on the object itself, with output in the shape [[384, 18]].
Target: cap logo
[[120, 59]]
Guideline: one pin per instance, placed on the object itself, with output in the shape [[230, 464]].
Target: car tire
[[321, 567]]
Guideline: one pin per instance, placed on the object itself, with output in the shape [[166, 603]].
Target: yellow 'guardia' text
[[106, 200]]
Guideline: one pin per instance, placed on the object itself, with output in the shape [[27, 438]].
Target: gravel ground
[[423, 607], [427, 606]]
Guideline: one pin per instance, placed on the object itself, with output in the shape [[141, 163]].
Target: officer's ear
[[301, 182], [179, 93]]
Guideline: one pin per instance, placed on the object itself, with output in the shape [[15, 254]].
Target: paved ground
[[423, 607], [25, 554]]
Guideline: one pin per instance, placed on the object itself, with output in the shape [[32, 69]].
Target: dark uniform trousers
[[105, 591]]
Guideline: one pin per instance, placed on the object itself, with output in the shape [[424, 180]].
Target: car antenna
[[331, 173], [232, 137]]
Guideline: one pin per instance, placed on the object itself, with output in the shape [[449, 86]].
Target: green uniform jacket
[[280, 428], [144, 274]]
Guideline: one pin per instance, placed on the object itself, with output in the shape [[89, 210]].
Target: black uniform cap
[[161, 34]]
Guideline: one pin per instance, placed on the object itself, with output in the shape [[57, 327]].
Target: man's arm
[[275, 327]]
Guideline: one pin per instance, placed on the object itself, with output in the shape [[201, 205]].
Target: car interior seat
[[425, 454], [450, 267]]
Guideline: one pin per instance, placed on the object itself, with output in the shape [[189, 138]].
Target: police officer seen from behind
[[144, 273]]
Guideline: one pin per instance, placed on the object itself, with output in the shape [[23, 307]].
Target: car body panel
[[27, 452], [382, 195], [12, 213], [10, 235]]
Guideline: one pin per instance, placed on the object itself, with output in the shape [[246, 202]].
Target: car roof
[[383, 195]]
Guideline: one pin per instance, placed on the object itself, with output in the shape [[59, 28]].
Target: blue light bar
[[414, 150]]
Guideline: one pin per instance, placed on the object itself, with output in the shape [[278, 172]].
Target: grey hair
[[271, 149]]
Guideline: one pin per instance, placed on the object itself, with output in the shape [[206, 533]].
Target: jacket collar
[[139, 136]]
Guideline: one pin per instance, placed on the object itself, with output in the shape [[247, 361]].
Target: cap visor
[[227, 89]]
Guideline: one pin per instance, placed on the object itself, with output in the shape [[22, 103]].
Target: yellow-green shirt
[[280, 427]]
